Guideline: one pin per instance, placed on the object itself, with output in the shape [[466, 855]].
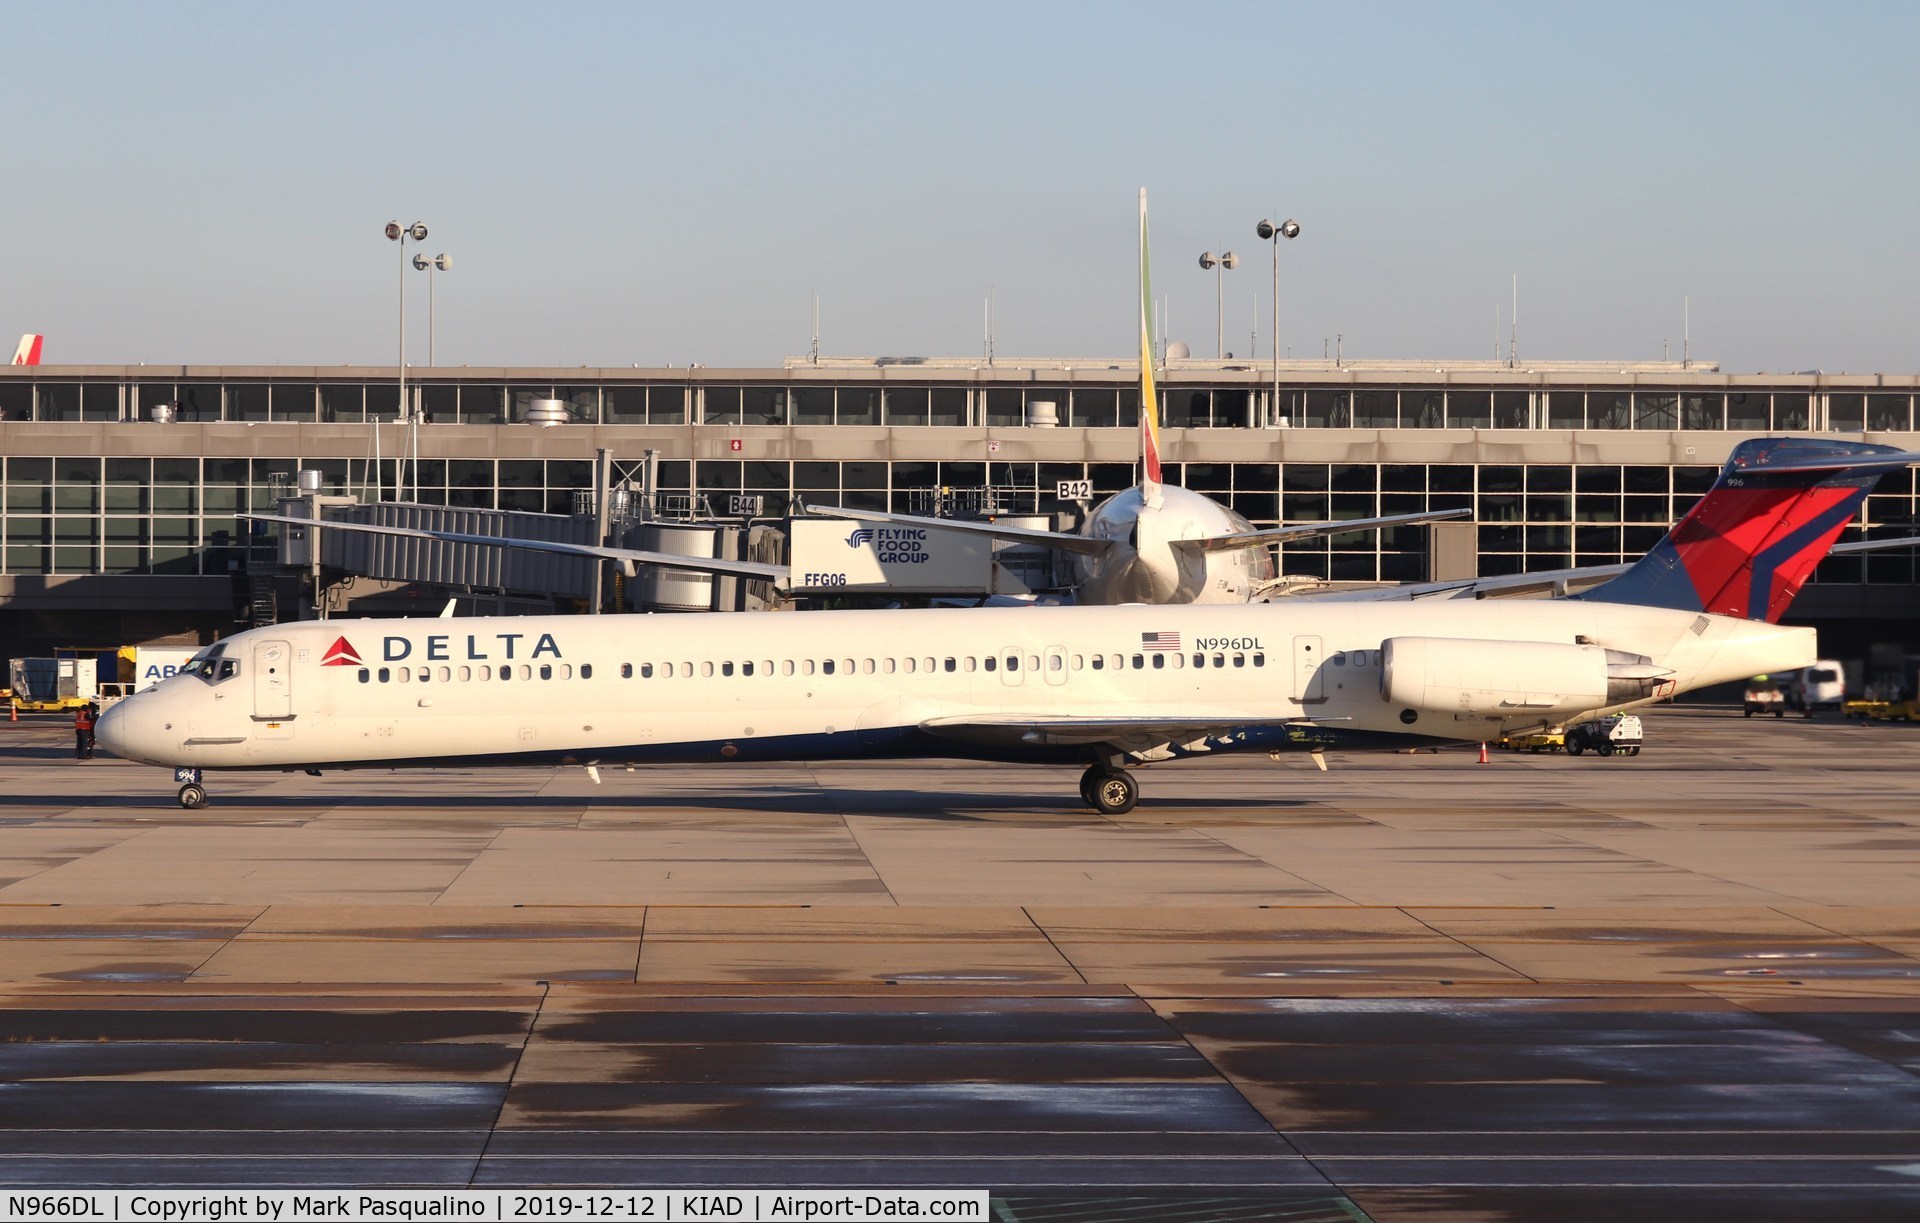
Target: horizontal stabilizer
[[1312, 530], [627, 558]]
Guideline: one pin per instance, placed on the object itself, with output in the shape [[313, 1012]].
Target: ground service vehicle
[[1762, 696], [1821, 686], [1620, 734]]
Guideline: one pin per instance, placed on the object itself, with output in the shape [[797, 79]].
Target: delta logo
[[341, 654]]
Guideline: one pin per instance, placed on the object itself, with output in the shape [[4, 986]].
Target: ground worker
[[83, 720]]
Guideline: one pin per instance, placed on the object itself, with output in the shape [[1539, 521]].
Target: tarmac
[[1684, 985]]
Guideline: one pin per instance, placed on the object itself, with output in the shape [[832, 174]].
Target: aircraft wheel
[[193, 797], [1112, 793]]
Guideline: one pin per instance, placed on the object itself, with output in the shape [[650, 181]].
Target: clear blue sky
[[652, 184]]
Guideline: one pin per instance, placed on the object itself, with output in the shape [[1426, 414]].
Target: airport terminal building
[[120, 485]]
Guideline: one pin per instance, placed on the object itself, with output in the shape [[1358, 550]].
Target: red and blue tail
[[1750, 544]]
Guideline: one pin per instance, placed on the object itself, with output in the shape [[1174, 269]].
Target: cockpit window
[[212, 667]]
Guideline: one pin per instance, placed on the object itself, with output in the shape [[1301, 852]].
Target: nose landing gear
[[193, 795]]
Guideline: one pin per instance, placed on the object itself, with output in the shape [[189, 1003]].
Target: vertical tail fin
[[1750, 544], [29, 351], [1149, 401]]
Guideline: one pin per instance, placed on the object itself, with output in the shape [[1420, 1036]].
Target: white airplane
[[28, 353], [1106, 686], [1157, 542]]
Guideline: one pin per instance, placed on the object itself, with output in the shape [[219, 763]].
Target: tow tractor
[[1619, 734]]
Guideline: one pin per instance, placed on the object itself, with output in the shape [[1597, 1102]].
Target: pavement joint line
[[1841, 934], [640, 943], [506, 1089], [1045, 934], [1463, 944]]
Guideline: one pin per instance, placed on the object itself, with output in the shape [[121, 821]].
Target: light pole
[[423, 264], [396, 233], [1226, 263], [1269, 232]]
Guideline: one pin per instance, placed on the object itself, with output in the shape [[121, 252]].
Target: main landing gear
[[1109, 789]]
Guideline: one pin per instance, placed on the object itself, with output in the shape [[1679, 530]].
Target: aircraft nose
[[111, 731]]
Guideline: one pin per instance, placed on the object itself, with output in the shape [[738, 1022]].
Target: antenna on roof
[[1513, 344], [813, 354]]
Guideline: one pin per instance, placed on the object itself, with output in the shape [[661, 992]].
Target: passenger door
[[272, 667]]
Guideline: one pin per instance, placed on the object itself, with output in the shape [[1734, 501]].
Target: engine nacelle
[[1492, 679]]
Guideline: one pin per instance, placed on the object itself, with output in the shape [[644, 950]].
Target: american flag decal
[[1159, 641]]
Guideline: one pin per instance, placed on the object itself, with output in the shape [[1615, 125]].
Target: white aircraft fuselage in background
[[1145, 567]]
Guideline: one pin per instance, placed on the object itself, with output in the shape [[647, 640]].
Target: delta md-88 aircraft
[[1106, 687]]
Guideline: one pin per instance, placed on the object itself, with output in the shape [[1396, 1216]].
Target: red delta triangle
[[341, 654]]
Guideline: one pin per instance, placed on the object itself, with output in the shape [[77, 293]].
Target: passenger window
[[847, 665], [446, 673], [686, 670], [766, 667], [1033, 662], [826, 666], [706, 670], [365, 675], [506, 673], [990, 662], [1179, 661], [1199, 660], [886, 666], [1259, 660], [586, 670], [950, 664], [910, 664], [1055, 662], [1013, 662], [466, 674], [726, 668], [566, 670], [546, 670], [786, 666], [1078, 662], [1219, 660], [1159, 661], [1139, 661], [928, 663], [866, 666], [746, 668], [426, 674], [526, 671], [806, 666], [969, 663], [385, 675], [1239, 660], [404, 675], [1099, 662], [484, 673]]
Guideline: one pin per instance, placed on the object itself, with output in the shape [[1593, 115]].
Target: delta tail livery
[[1106, 687]]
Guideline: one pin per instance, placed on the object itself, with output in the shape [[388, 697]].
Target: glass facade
[[74, 513]]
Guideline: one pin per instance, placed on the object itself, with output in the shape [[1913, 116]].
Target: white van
[[1821, 686]]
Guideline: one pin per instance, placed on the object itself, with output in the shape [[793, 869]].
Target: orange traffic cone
[[1483, 753]]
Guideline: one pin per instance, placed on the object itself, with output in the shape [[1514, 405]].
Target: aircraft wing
[[1311, 530], [1133, 734], [627, 558], [1553, 582], [1063, 540]]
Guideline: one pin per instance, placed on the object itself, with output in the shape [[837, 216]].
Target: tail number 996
[[1227, 643]]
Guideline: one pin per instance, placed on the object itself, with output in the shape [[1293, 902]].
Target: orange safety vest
[[83, 720]]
